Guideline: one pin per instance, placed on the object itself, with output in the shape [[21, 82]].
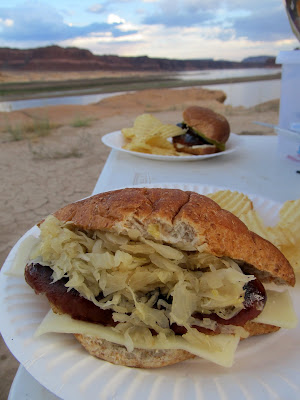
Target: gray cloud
[[269, 26], [178, 19], [258, 20], [40, 22], [96, 8], [178, 13]]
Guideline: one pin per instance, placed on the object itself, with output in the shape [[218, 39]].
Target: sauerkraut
[[148, 285]]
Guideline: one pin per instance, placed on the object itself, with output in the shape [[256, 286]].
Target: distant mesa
[[56, 58], [266, 60]]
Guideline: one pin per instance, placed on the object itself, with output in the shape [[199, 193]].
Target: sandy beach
[[52, 156]]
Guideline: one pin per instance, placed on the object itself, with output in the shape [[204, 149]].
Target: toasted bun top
[[175, 216], [206, 122]]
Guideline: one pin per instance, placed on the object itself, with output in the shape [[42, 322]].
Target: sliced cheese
[[278, 311], [219, 349], [22, 256]]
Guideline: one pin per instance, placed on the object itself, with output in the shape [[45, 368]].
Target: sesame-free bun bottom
[[142, 358]]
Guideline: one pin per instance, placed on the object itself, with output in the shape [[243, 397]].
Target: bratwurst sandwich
[[206, 132], [150, 277]]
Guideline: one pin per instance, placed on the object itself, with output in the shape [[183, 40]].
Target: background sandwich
[[151, 277], [206, 132]]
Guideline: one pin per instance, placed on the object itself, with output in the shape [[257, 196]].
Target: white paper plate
[[265, 368], [116, 140]]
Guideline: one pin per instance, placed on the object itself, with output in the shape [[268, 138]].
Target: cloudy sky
[[182, 29]]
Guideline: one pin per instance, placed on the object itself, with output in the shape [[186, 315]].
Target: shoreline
[[66, 88]]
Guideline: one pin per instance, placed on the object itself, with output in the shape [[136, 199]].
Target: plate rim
[[233, 137], [60, 388]]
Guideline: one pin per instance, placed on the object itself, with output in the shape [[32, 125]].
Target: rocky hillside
[[55, 58]]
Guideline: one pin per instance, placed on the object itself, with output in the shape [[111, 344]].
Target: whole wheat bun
[[118, 354], [181, 217], [140, 358], [197, 150], [208, 123]]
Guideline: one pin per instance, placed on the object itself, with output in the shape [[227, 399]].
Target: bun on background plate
[[206, 132]]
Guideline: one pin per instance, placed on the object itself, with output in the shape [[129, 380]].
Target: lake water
[[245, 94], [54, 101], [249, 94], [225, 73]]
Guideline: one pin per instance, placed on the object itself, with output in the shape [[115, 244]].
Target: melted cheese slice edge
[[219, 349], [278, 310]]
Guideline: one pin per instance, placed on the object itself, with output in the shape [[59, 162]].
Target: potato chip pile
[[285, 234], [149, 135]]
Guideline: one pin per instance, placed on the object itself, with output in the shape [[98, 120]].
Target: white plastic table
[[255, 168]]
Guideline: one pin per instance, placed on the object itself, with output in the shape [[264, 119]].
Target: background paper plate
[[116, 141], [266, 367]]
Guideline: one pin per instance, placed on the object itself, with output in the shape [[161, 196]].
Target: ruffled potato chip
[[292, 253], [281, 236], [235, 202], [255, 223], [149, 135], [141, 126], [290, 217], [285, 234]]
